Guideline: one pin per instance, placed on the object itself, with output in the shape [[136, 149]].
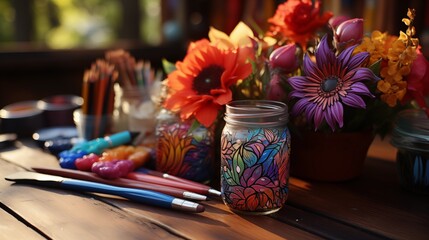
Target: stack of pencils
[[98, 95], [125, 65], [132, 73], [134, 90], [111, 82]]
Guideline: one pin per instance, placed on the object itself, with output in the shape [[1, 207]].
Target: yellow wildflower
[[376, 46], [398, 54]]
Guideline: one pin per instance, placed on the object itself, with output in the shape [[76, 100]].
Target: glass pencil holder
[[126, 100], [410, 136], [255, 149], [92, 126]]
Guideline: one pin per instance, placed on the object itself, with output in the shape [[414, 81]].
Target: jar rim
[[22, 109], [256, 112], [411, 130], [60, 102]]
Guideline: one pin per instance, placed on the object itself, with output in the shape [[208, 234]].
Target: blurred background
[[45, 45]]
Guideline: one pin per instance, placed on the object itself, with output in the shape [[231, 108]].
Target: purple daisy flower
[[329, 83]]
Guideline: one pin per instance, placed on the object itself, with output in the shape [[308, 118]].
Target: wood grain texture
[[323, 226], [26, 155], [64, 214], [374, 201], [12, 228], [218, 222], [372, 206], [68, 215]]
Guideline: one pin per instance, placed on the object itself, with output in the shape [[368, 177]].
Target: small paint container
[[58, 109], [22, 118]]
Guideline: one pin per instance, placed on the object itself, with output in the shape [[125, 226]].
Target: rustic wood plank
[[27, 155], [321, 225], [373, 205], [374, 201], [12, 228], [217, 222], [68, 215], [382, 149]]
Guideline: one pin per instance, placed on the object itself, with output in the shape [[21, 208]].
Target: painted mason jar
[[255, 149], [410, 136], [183, 150]]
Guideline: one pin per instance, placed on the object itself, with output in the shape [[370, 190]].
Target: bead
[[85, 163], [112, 169], [68, 158]]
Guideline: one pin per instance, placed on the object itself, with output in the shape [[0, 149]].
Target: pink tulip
[[334, 22], [284, 58], [348, 33]]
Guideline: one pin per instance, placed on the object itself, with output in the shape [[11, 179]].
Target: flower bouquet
[[346, 85], [334, 80]]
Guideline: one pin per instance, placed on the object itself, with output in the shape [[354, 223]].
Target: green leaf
[[195, 125], [168, 66], [237, 165], [375, 67]]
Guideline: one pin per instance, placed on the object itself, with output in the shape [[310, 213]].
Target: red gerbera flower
[[200, 85], [298, 20]]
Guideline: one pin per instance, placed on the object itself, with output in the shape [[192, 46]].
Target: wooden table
[[371, 207]]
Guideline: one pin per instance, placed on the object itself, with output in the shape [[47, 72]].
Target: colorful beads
[[138, 155], [68, 158], [112, 163], [113, 169], [85, 163]]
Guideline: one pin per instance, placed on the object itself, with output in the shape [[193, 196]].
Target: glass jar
[[410, 136], [255, 149], [135, 111], [182, 149]]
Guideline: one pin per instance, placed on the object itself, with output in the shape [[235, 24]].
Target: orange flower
[[298, 20], [200, 85], [241, 37]]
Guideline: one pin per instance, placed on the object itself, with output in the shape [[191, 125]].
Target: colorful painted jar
[[255, 148], [410, 136], [182, 150]]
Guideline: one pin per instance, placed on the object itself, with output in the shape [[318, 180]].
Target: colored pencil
[[171, 183], [121, 182], [204, 187]]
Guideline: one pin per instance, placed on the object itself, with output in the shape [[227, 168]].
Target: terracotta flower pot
[[329, 157]]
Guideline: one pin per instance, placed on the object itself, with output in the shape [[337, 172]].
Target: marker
[[98, 145]]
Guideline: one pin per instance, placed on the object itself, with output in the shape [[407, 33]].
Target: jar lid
[[256, 112], [18, 110], [411, 130], [60, 102]]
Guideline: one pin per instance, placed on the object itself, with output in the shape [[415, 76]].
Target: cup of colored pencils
[[94, 119], [134, 109]]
